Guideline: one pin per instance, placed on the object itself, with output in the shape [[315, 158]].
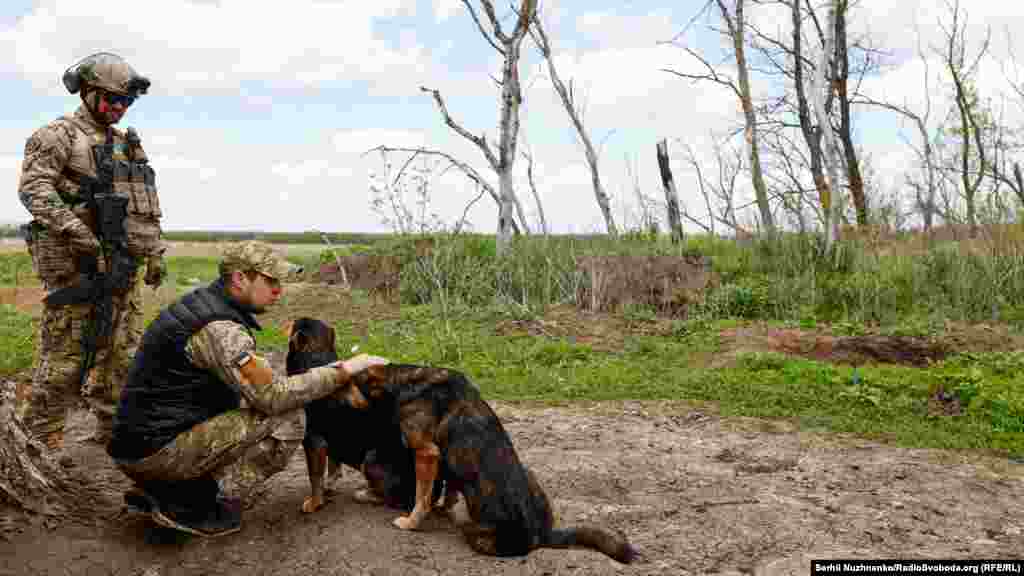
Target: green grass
[[184, 270], [275, 237], [16, 333], [882, 402], [270, 338], [16, 269], [450, 307]]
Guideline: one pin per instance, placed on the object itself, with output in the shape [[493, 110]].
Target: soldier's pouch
[[52, 256], [142, 235], [139, 181]]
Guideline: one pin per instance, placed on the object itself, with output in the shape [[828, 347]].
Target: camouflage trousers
[[240, 448], [57, 365]]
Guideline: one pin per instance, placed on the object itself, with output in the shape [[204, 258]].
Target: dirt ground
[[695, 493]]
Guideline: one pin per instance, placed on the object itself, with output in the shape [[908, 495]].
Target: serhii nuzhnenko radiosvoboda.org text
[[841, 567]]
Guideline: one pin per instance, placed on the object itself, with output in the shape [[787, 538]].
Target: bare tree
[[671, 196], [646, 204], [812, 132], [482, 184], [840, 81], [830, 202], [962, 71], [508, 45], [786, 170], [533, 188], [540, 38], [705, 192], [924, 194], [736, 29], [719, 187], [848, 61], [1006, 146]]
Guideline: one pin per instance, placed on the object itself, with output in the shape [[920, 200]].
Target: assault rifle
[[98, 287]]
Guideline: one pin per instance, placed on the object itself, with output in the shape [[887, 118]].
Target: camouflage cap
[[256, 256]]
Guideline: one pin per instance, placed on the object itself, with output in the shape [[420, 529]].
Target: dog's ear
[[296, 340]]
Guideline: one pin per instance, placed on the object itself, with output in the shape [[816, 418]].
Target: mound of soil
[[854, 350], [663, 283]]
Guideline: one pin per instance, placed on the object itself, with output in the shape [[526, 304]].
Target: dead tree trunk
[[30, 481], [736, 31], [967, 104], [541, 39], [830, 202], [508, 45], [671, 197], [1020, 182], [842, 74], [811, 132], [740, 86], [536, 195]]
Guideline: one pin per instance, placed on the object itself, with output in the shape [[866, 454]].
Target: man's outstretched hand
[[359, 363]]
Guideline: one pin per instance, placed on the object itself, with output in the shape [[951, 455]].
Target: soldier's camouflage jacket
[[56, 157]]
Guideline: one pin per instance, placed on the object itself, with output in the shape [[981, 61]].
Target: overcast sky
[[260, 112]]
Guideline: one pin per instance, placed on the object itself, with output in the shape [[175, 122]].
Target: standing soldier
[[96, 224]]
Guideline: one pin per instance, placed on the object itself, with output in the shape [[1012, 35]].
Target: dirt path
[[695, 493]]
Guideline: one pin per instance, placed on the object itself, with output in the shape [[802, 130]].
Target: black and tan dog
[[336, 433], [456, 435]]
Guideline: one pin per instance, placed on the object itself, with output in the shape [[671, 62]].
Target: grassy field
[[452, 313]]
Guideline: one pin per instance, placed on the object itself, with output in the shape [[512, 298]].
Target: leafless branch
[[478, 140], [712, 74], [462, 220], [682, 32], [480, 26], [493, 17], [540, 38], [533, 188], [337, 260], [466, 169]]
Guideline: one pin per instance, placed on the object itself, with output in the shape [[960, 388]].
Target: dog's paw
[[312, 504], [366, 496], [449, 502], [405, 523]]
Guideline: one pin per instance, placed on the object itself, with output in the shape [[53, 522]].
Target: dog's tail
[[612, 545]]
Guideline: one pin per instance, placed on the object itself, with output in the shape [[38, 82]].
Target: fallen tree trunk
[[31, 482]]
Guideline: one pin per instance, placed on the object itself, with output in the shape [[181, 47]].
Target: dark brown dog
[[456, 435], [338, 434]]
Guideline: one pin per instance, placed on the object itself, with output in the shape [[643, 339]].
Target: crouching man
[[198, 398]]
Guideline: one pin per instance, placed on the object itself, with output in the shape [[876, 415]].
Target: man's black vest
[[165, 394]]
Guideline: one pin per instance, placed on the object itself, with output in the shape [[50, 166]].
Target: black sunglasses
[[122, 99]]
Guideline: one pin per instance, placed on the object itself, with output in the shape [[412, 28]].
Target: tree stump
[[32, 484]]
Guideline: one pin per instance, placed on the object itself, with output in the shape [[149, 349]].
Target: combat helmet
[[106, 71]]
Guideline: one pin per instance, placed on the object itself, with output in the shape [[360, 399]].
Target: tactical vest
[[133, 178], [52, 256], [165, 394]]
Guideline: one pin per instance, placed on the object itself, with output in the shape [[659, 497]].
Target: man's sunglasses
[[122, 99]]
